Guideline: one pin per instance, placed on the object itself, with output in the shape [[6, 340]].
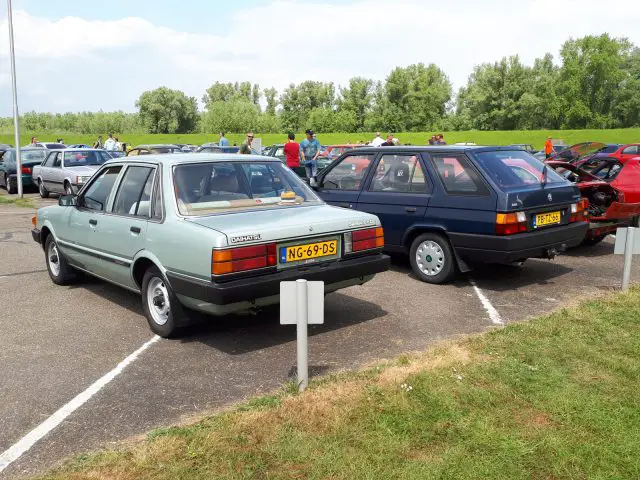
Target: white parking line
[[26, 442], [493, 313]]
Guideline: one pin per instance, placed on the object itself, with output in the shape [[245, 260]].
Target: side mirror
[[68, 201]]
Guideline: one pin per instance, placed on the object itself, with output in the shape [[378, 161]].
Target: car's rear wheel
[[161, 307], [60, 272], [12, 185], [432, 258], [590, 241], [44, 193]]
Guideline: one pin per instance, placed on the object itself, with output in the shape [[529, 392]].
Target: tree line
[[596, 84]]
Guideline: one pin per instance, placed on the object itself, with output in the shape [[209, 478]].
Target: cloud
[[79, 64]]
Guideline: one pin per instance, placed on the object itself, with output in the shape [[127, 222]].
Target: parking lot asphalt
[[57, 341]]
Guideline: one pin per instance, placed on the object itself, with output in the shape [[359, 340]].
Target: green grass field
[[534, 137], [556, 397]]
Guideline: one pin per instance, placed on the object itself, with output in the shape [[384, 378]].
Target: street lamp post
[[16, 119]]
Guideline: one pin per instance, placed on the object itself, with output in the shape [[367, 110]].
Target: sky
[[86, 55]]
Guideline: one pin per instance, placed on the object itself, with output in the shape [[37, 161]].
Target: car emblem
[[550, 197]]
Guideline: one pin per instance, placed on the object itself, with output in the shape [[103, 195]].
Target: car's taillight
[[578, 211], [26, 170], [363, 240], [511, 223], [232, 260]]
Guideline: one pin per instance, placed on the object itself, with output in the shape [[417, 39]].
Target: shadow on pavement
[[501, 278], [239, 334], [600, 250]]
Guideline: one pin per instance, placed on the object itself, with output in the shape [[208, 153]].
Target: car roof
[[184, 158], [433, 149], [157, 145]]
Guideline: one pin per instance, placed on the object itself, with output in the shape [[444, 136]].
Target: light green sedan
[[216, 233]]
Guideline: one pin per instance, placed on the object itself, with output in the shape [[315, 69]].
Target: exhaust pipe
[[551, 253]]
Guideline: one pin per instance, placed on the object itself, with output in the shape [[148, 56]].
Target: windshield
[[517, 168], [223, 187], [84, 158]]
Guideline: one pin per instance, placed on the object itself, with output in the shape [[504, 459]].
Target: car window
[[607, 170], [83, 158], [33, 155], [633, 149], [8, 157], [223, 187], [458, 176], [157, 205], [50, 159], [96, 195], [399, 173], [56, 160], [134, 193], [515, 169], [104, 156], [349, 173]]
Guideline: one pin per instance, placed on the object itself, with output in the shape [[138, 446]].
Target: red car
[[626, 152], [612, 188]]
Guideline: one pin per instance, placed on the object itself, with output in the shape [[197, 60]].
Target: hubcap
[[158, 301], [430, 258], [69, 190], [54, 259]]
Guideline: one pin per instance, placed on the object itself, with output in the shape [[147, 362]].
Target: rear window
[[222, 187], [516, 168], [33, 155]]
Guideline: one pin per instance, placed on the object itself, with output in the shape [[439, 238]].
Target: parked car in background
[[612, 190], [79, 145], [47, 145], [115, 153], [275, 151], [244, 223], [594, 156], [66, 171], [4, 147], [154, 149], [30, 157], [218, 149], [626, 152], [450, 206], [540, 155], [331, 152], [527, 147]]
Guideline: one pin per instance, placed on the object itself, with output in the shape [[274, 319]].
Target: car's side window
[[399, 173], [97, 194], [48, 162], [457, 175], [349, 173], [156, 206], [134, 194], [56, 160], [630, 150]]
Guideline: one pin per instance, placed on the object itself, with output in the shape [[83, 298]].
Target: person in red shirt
[[292, 152]]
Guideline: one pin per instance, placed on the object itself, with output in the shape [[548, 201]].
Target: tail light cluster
[[241, 259], [578, 211], [363, 240], [26, 170], [511, 223]]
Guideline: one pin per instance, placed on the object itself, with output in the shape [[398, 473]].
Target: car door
[[123, 228], [44, 168], [81, 237], [340, 184], [53, 179], [629, 152], [398, 193]]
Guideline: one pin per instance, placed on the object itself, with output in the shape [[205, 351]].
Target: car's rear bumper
[[249, 289], [514, 248]]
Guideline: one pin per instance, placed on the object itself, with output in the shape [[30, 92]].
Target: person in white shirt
[[110, 144], [118, 145], [376, 142]]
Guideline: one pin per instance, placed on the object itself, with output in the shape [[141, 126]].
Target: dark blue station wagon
[[446, 206]]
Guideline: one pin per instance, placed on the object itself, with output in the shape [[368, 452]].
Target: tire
[[432, 258], [68, 189], [160, 305], [44, 193], [12, 187], [60, 272], [590, 241]]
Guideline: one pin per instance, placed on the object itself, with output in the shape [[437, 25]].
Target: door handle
[[134, 229], [410, 209], [344, 205], [93, 222]]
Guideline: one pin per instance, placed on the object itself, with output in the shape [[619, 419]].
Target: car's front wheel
[[44, 193], [432, 258], [161, 307], [60, 271], [12, 186]]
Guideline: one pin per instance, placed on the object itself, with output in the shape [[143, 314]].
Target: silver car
[[207, 232], [65, 171]]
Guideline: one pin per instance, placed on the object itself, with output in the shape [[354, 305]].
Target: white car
[[65, 171]]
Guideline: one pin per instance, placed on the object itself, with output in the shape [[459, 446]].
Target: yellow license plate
[[308, 251], [543, 219]]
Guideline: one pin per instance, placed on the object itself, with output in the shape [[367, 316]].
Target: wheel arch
[[141, 264]]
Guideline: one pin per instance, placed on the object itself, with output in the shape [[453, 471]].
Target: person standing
[[548, 147], [34, 140], [110, 144], [376, 142], [441, 139], [309, 151], [223, 142], [292, 151], [245, 148], [118, 145], [389, 142], [98, 142]]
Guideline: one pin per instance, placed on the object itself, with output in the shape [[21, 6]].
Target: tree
[[357, 99], [225, 92], [167, 111], [238, 115], [298, 102], [270, 95], [626, 107]]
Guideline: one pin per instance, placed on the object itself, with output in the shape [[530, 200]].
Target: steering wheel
[[348, 183]]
